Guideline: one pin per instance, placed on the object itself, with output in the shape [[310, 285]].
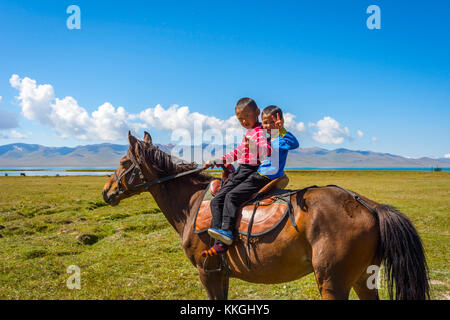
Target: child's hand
[[247, 142], [209, 164], [278, 123]]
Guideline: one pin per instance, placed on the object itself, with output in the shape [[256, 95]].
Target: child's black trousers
[[235, 191]]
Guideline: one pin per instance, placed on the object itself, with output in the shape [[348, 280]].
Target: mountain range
[[108, 155]]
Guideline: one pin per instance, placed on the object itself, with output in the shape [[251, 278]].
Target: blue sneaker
[[222, 235]]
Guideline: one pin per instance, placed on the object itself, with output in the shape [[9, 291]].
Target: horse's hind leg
[[331, 279], [336, 268], [332, 288], [362, 289], [338, 271], [215, 283], [365, 287]]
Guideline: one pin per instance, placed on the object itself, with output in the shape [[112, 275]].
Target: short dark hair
[[246, 103], [273, 110]]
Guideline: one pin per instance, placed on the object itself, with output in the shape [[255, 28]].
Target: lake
[[51, 171], [66, 171], [370, 168]]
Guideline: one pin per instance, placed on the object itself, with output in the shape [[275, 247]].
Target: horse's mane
[[164, 164]]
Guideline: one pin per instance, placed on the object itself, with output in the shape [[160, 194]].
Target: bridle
[[136, 170]]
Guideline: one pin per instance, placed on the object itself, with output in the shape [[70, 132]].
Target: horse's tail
[[402, 254]]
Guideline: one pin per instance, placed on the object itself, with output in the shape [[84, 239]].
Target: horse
[[336, 237]]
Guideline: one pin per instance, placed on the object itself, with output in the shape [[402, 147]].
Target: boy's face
[[268, 122], [247, 117]]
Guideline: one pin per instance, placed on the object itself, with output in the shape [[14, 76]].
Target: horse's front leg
[[215, 283]]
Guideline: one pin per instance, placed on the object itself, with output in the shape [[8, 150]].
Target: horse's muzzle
[[105, 196], [111, 200]]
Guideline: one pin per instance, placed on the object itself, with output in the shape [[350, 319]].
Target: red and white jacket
[[258, 148]]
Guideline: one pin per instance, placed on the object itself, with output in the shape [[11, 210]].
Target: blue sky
[[317, 60]]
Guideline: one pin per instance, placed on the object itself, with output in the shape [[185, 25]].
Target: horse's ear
[[132, 139], [147, 138]]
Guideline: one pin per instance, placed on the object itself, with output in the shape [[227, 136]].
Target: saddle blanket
[[270, 212]]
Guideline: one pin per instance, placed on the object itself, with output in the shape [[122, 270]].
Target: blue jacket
[[273, 167]]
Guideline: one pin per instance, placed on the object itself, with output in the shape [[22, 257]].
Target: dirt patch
[[88, 239]]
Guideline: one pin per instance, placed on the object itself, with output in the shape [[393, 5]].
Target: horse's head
[[132, 173]]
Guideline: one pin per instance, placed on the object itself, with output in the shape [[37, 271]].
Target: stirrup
[[222, 265]]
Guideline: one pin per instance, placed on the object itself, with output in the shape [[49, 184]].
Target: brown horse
[[336, 237]]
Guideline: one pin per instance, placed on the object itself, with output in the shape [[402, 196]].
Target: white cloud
[[14, 81], [447, 156], [1, 99], [184, 123], [66, 117], [301, 127], [108, 123], [176, 117], [291, 124], [374, 139], [13, 135], [17, 135], [329, 131], [360, 133], [35, 99]]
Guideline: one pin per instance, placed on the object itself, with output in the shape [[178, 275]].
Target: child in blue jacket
[[281, 142]]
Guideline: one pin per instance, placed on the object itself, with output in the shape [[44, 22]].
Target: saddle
[[263, 212]]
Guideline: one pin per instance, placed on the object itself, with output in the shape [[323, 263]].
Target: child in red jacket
[[242, 183]]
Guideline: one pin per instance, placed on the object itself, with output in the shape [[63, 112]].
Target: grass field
[[131, 252]]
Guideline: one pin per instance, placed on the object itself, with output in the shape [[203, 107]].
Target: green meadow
[[131, 252]]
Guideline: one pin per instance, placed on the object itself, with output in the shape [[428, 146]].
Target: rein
[[145, 184]]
